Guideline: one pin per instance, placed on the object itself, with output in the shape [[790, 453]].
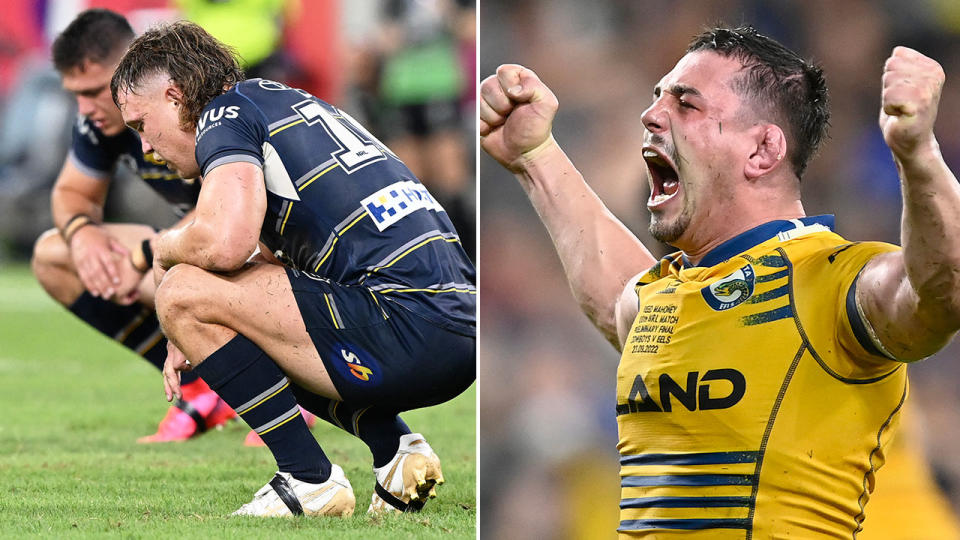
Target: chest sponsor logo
[[211, 118], [215, 115], [397, 201], [730, 291], [716, 389]]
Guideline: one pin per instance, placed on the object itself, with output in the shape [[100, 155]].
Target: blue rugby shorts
[[376, 351]]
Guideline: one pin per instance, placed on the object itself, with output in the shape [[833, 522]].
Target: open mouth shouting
[[664, 179]]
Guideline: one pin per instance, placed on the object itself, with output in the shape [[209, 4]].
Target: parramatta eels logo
[[357, 363], [730, 291]]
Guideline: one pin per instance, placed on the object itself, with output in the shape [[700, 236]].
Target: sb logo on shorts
[[357, 364]]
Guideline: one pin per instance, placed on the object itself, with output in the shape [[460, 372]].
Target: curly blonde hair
[[199, 65]]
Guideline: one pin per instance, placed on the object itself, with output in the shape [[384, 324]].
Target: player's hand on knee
[[127, 290], [94, 256], [912, 84], [172, 366], [516, 115]]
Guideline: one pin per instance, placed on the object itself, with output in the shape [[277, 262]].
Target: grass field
[[72, 404]]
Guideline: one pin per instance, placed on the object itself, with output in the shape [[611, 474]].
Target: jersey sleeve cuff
[[86, 169], [862, 329], [233, 158]]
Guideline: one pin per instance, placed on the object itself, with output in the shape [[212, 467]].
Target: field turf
[[72, 404]]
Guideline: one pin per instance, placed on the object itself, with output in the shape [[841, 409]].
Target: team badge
[[356, 363], [730, 291]]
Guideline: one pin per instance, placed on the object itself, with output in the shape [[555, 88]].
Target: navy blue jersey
[[97, 155], [340, 205]]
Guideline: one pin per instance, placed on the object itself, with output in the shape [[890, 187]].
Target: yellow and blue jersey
[[751, 400], [96, 155], [340, 205]]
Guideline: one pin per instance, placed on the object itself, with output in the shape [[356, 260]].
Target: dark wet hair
[[793, 89], [97, 35], [202, 67]]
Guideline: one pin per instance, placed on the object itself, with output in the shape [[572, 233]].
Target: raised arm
[[599, 254], [912, 298], [225, 228]]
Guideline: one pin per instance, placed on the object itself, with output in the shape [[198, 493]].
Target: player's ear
[[173, 95], [769, 152]]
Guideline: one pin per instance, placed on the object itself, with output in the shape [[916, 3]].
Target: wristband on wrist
[[142, 260], [73, 225]]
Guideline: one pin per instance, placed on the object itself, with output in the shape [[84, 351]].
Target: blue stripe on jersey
[[703, 458], [768, 316], [688, 524], [770, 295], [687, 480], [774, 276], [857, 323], [772, 261], [685, 502]]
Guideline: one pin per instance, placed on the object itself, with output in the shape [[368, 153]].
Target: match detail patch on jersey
[[397, 201], [730, 291]]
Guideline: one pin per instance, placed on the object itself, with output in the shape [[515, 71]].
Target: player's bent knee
[[49, 253], [178, 294], [185, 296]]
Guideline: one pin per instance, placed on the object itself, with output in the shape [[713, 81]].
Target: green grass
[[72, 404]]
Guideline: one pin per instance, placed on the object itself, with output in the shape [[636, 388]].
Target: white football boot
[[405, 483], [287, 496]]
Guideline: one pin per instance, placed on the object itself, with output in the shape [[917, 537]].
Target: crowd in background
[[391, 64], [547, 392]]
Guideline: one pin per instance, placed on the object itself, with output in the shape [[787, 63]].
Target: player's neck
[[734, 222]]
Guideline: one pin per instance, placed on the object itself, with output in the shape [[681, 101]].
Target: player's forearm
[[930, 233], [143, 258], [65, 203], [599, 254], [199, 244]]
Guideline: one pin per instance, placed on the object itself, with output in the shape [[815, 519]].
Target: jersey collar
[[785, 229]]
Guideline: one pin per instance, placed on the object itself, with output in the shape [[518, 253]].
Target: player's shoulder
[[88, 133], [229, 104], [96, 153], [831, 248], [829, 254], [274, 98], [231, 112], [83, 127], [668, 266]]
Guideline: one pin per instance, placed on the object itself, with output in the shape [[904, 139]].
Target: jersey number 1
[[358, 148]]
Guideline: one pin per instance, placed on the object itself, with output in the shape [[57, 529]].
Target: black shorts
[[378, 352], [420, 119]]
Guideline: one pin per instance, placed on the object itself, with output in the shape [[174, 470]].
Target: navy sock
[[135, 326], [250, 382], [379, 429]]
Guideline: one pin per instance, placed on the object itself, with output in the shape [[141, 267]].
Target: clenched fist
[[911, 94], [516, 115]]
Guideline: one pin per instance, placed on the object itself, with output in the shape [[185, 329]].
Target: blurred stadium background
[[547, 428], [369, 57]]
